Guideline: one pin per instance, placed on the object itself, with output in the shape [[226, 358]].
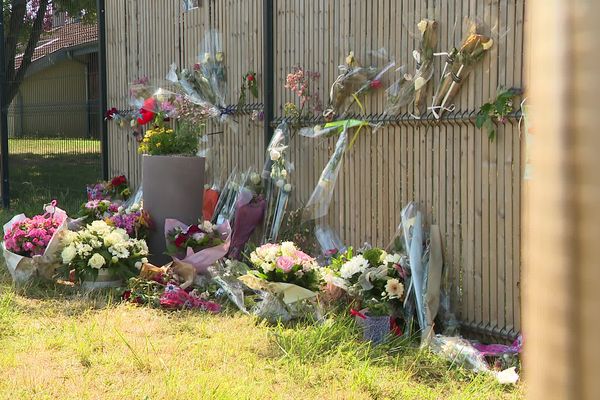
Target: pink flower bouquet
[[199, 245], [30, 244], [287, 264]]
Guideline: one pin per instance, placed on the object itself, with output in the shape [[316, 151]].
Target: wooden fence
[[468, 185]]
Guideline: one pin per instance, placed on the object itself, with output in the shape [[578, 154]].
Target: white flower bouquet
[[100, 246], [374, 278]]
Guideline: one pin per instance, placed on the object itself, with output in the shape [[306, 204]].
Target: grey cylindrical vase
[[173, 188]]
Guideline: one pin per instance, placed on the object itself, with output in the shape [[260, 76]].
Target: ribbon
[[355, 313]]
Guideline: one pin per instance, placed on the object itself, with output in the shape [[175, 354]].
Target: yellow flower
[[219, 56]]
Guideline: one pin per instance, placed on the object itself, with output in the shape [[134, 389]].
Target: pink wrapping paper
[[204, 258]]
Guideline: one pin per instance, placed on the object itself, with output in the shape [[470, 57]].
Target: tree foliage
[[25, 22]]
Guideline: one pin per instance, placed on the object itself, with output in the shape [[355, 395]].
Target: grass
[[45, 169], [58, 344]]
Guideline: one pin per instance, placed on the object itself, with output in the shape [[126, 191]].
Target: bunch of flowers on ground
[[375, 278], [134, 220], [99, 246], [30, 236], [197, 237], [98, 210], [286, 263]]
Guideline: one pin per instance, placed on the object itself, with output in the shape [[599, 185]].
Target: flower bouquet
[[354, 81], [102, 255], [115, 189], [459, 64], [409, 87], [200, 245], [93, 210], [134, 220], [275, 175], [375, 279], [249, 214], [30, 244]]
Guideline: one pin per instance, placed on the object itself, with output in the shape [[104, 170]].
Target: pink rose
[[285, 263]]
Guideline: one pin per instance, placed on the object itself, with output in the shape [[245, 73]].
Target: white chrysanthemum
[[96, 261], [112, 239], [119, 250], [394, 288], [68, 254], [83, 250], [288, 249], [95, 243], [142, 247], [392, 258], [353, 266]]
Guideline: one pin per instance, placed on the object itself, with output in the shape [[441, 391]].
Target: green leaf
[[481, 119]]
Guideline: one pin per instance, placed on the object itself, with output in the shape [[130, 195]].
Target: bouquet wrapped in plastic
[[199, 245], [249, 214], [32, 246], [276, 175], [355, 80], [414, 87], [115, 189], [459, 64]]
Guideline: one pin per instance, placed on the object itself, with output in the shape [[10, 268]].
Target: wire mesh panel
[[54, 115]]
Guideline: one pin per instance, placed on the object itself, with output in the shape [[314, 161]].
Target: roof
[[63, 37]]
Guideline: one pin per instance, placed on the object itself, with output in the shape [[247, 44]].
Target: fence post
[[268, 69], [4, 185], [103, 90]]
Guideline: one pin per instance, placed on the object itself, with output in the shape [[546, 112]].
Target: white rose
[[275, 155], [68, 254], [287, 187], [112, 239], [288, 249], [69, 237], [207, 227], [96, 261]]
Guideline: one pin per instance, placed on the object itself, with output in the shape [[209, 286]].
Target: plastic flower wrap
[[414, 87], [101, 246], [249, 214], [355, 80], [199, 245], [375, 278], [459, 64], [276, 175], [30, 244]]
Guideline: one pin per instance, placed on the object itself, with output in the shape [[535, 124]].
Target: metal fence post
[[103, 90], [268, 69], [3, 118]]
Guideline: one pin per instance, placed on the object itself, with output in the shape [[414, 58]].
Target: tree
[[25, 22]]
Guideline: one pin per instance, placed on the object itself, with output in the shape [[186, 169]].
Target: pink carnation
[[285, 263]]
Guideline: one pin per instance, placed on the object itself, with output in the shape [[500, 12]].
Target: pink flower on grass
[[285, 263]]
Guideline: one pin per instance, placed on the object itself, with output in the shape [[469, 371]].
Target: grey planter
[[173, 188]]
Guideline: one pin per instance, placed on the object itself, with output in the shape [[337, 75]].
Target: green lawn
[[57, 344], [45, 169]]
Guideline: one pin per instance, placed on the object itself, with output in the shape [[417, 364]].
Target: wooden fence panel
[[468, 185]]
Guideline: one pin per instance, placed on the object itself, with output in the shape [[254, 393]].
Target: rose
[[96, 261], [118, 181], [68, 254], [285, 263], [275, 155]]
